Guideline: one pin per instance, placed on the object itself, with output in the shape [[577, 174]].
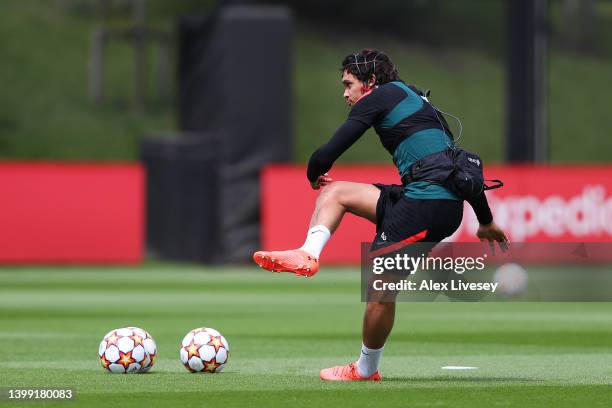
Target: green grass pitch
[[282, 330]]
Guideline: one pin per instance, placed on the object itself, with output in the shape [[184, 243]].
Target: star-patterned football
[[127, 350], [204, 350]]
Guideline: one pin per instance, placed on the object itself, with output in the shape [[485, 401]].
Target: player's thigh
[[357, 198]]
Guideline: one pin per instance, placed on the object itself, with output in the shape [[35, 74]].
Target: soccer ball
[[204, 350], [512, 279], [126, 350]]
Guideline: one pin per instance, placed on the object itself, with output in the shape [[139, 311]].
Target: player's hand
[[492, 233], [321, 181]]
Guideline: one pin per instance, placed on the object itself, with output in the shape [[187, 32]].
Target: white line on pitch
[[459, 368]]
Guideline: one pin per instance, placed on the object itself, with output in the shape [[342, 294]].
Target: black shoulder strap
[[498, 184]]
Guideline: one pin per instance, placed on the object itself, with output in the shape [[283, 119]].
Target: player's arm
[[487, 230], [363, 115], [324, 157]]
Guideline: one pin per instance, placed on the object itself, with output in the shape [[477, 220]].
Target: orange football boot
[[346, 373], [296, 261]]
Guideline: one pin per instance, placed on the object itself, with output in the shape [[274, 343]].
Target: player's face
[[353, 88]]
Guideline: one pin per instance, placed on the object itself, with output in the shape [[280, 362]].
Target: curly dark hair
[[368, 62]]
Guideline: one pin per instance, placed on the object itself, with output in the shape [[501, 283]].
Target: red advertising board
[[71, 213], [537, 204]]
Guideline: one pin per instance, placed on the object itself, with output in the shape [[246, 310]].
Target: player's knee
[[332, 192]]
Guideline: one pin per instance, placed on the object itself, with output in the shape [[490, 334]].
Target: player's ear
[[366, 85], [369, 84]]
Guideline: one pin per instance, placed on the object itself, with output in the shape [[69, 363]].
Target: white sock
[[316, 239], [369, 361]]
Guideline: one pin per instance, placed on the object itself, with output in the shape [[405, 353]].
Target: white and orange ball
[[512, 279], [124, 350], [204, 350]]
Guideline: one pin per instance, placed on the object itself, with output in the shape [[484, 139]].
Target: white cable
[[436, 110]]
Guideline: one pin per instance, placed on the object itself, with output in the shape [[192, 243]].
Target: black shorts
[[399, 218]]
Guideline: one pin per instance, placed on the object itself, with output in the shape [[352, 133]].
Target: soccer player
[[409, 128]]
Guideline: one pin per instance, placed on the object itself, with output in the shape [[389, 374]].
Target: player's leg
[[341, 197], [332, 203], [377, 323]]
